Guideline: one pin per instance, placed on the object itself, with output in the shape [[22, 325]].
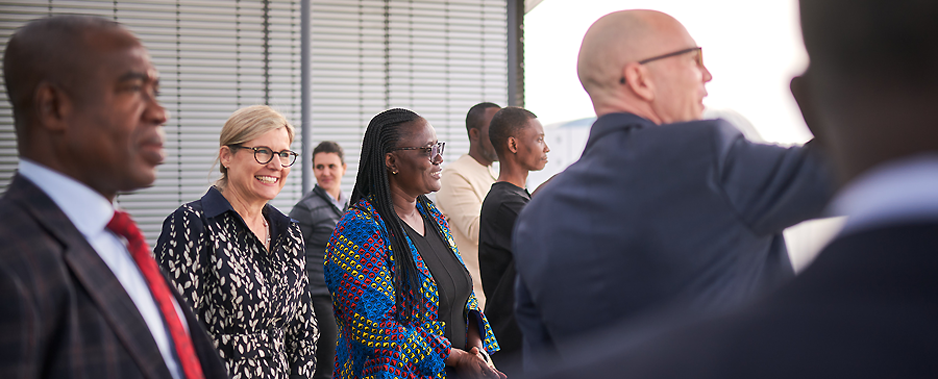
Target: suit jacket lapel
[[96, 277]]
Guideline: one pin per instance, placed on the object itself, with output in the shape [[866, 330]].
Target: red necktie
[[125, 227]]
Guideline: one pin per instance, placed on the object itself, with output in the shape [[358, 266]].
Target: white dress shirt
[[893, 193], [90, 213]]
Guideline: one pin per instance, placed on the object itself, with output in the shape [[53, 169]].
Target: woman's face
[[253, 181], [328, 168], [418, 173]]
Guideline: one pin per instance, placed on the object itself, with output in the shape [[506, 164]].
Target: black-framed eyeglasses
[[698, 57], [264, 154], [430, 151], [698, 49]]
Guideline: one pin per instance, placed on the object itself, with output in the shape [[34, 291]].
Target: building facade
[[328, 66]]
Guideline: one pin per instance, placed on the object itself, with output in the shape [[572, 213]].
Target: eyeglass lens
[[436, 150], [264, 155]]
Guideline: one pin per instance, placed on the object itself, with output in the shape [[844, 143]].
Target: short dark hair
[[329, 147], [474, 116], [896, 41], [50, 48], [507, 123]]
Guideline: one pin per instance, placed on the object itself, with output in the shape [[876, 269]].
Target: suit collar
[[94, 276], [613, 122], [896, 192]]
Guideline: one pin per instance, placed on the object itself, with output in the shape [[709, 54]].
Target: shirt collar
[[338, 203], [215, 204], [893, 193], [87, 209]]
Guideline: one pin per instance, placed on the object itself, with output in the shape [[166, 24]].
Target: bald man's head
[[616, 43], [57, 50]]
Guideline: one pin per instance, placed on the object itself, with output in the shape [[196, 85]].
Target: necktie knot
[[124, 226]]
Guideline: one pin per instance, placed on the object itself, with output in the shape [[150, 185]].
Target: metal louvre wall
[[435, 57], [214, 56]]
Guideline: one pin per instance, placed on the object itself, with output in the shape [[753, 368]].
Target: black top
[[317, 215], [499, 211], [452, 281]]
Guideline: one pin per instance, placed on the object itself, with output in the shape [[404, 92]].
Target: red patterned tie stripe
[[124, 226]]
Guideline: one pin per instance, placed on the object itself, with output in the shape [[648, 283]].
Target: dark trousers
[[328, 332]]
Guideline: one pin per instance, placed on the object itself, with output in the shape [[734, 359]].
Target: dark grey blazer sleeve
[[769, 186]]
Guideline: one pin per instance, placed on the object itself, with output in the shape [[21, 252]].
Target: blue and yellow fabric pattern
[[372, 343]]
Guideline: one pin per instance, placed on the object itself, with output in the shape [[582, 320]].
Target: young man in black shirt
[[518, 138]]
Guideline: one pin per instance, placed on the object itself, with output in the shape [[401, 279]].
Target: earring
[[394, 172]]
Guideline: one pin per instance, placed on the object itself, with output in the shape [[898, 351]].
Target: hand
[[471, 364]]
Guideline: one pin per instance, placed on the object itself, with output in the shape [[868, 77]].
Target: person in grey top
[[317, 214]]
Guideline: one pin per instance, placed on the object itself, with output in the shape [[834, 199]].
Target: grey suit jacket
[[317, 216], [684, 216], [63, 313]]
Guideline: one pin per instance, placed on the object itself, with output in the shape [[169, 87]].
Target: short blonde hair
[[246, 124]]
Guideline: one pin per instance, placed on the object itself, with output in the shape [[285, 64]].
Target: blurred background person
[[317, 213], [239, 262], [867, 307], [81, 295], [463, 187], [403, 298], [518, 139]]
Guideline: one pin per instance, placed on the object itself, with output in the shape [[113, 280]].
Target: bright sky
[[752, 48]]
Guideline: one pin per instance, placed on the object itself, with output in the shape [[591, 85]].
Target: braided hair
[[382, 136]]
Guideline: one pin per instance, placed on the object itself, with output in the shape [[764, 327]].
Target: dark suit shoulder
[[866, 308]]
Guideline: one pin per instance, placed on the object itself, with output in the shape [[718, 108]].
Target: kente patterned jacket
[[255, 304], [372, 343]]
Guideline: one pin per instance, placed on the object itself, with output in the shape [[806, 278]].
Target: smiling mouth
[[267, 179]]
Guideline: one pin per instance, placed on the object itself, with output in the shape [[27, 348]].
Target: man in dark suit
[[662, 211], [74, 302], [868, 305]]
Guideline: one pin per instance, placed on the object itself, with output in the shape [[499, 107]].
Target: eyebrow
[[133, 75]]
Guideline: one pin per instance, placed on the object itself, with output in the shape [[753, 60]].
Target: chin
[[267, 193]]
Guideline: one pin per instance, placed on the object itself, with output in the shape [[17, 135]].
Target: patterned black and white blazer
[[255, 304]]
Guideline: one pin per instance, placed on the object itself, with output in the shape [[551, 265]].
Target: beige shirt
[[465, 183]]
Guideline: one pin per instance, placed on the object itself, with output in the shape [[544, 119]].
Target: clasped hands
[[474, 364]]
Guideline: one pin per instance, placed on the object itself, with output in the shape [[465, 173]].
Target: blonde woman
[[239, 262]]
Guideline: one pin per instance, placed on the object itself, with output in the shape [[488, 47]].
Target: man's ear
[[638, 79], [52, 106], [474, 134], [512, 145]]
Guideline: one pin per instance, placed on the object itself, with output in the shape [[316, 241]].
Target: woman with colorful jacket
[[402, 295]]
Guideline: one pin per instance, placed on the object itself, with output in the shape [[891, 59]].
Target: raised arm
[[771, 187]]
